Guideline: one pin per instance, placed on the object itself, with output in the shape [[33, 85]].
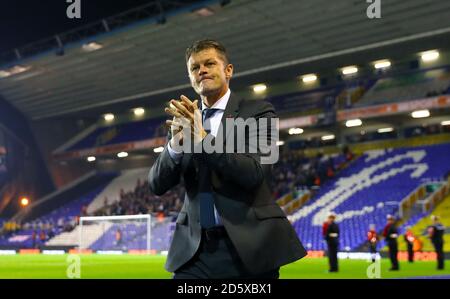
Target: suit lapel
[[231, 111]]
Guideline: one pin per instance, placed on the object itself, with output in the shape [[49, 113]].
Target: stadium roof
[[266, 39]]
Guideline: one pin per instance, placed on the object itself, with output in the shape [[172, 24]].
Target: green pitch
[[139, 266]]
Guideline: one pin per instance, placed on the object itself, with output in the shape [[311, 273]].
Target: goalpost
[[115, 233]]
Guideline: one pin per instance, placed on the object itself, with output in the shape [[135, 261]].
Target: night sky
[[26, 21]]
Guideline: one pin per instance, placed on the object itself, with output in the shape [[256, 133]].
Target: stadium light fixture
[[420, 113], [91, 159], [4, 74], [382, 64], [445, 123], [309, 78], [259, 88], [428, 56], [204, 12], [158, 149], [295, 131], [24, 201], [349, 70], [122, 155], [108, 117], [139, 111], [385, 130], [93, 46], [328, 137], [280, 143], [353, 123], [17, 69]]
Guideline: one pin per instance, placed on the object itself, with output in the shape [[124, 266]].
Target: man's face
[[208, 73]]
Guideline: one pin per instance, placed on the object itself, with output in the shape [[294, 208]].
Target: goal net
[[116, 233]]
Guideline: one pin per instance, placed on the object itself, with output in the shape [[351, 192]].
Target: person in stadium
[[33, 239], [436, 234], [390, 233], [330, 231], [372, 239], [229, 225], [118, 236], [410, 238]]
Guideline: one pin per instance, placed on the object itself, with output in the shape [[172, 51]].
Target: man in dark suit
[[390, 233], [229, 225], [330, 232], [436, 234]]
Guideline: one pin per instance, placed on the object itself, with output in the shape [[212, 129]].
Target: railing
[[294, 204], [436, 197], [408, 202]]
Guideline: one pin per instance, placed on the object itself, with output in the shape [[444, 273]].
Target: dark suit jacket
[[256, 225], [332, 228]]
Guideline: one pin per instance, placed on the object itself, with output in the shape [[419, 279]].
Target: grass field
[[141, 266]]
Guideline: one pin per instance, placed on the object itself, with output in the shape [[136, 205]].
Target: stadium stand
[[409, 86], [295, 171], [128, 194], [334, 179], [122, 133], [368, 190], [111, 194], [57, 216]]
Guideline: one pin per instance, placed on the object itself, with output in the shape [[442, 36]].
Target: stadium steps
[[420, 229], [91, 234]]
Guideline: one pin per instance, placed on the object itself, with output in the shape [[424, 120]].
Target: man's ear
[[229, 71]]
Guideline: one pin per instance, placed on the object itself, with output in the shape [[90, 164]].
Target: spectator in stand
[[118, 237], [61, 222], [42, 237], [33, 238], [83, 210], [348, 154], [330, 168], [51, 232]]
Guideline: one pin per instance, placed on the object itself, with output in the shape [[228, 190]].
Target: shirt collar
[[221, 104]]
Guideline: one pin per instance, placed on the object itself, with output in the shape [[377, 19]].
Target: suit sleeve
[[243, 169], [164, 174]]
